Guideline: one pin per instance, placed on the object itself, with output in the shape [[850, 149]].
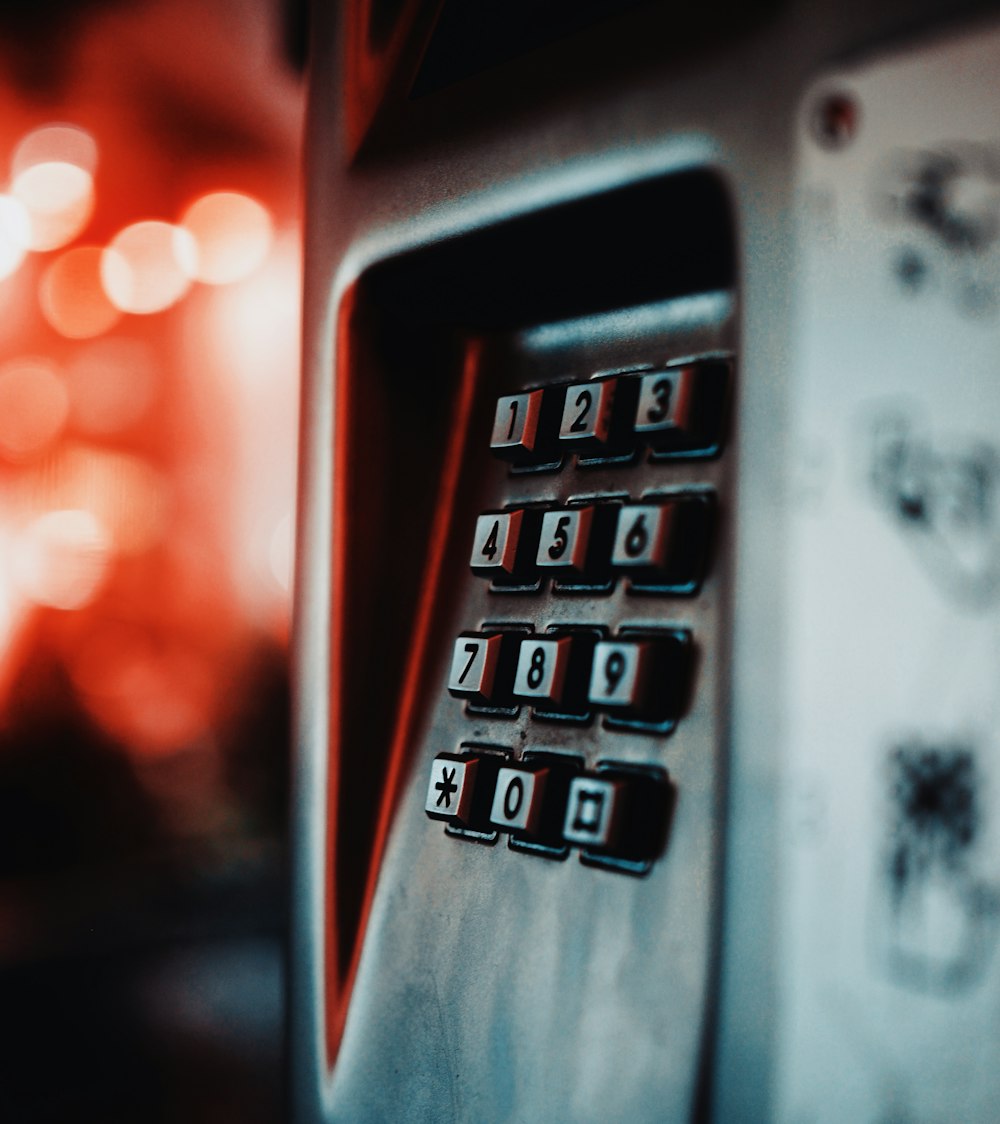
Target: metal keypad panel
[[551, 545]]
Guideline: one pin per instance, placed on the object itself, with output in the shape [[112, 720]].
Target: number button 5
[[565, 540]]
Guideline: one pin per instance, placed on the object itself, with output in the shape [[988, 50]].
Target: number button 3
[[665, 400]]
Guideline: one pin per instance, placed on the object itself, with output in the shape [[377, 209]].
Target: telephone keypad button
[[565, 539], [542, 669], [661, 545], [593, 812], [586, 425], [518, 800], [643, 537], [494, 548], [665, 406], [681, 410], [451, 789], [620, 675], [475, 664], [524, 428]]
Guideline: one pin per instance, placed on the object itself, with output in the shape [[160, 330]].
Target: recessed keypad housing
[[552, 542]]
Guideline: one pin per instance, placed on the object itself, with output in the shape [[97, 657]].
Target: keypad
[[638, 678]]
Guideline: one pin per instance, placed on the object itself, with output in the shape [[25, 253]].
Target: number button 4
[[503, 546]]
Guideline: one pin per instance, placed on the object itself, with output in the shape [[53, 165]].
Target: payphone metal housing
[[467, 242]]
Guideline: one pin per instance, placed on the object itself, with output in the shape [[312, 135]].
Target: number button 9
[[620, 674]]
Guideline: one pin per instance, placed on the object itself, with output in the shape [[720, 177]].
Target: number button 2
[[586, 417]]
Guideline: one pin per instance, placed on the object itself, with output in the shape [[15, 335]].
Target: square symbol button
[[591, 812]]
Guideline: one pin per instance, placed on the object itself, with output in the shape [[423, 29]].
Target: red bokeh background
[[147, 485]]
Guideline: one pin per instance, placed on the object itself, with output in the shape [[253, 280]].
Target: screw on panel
[[834, 120]]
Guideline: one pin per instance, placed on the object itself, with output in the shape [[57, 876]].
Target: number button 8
[[541, 669]]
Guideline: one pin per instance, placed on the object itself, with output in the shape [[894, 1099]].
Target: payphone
[[649, 565]]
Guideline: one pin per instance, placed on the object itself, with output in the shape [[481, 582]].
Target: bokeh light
[[124, 492], [59, 198], [15, 234], [72, 297], [112, 384], [34, 406], [56, 143], [62, 559], [153, 692], [233, 233], [148, 266]]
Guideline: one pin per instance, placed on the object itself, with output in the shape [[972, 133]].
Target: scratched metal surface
[[495, 986], [891, 915]]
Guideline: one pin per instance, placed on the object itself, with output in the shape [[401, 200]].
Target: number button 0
[[517, 800], [620, 675], [541, 669], [586, 417]]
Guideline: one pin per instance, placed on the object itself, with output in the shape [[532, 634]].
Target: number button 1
[[586, 417]]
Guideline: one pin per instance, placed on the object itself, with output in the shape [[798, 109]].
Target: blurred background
[[149, 282]]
